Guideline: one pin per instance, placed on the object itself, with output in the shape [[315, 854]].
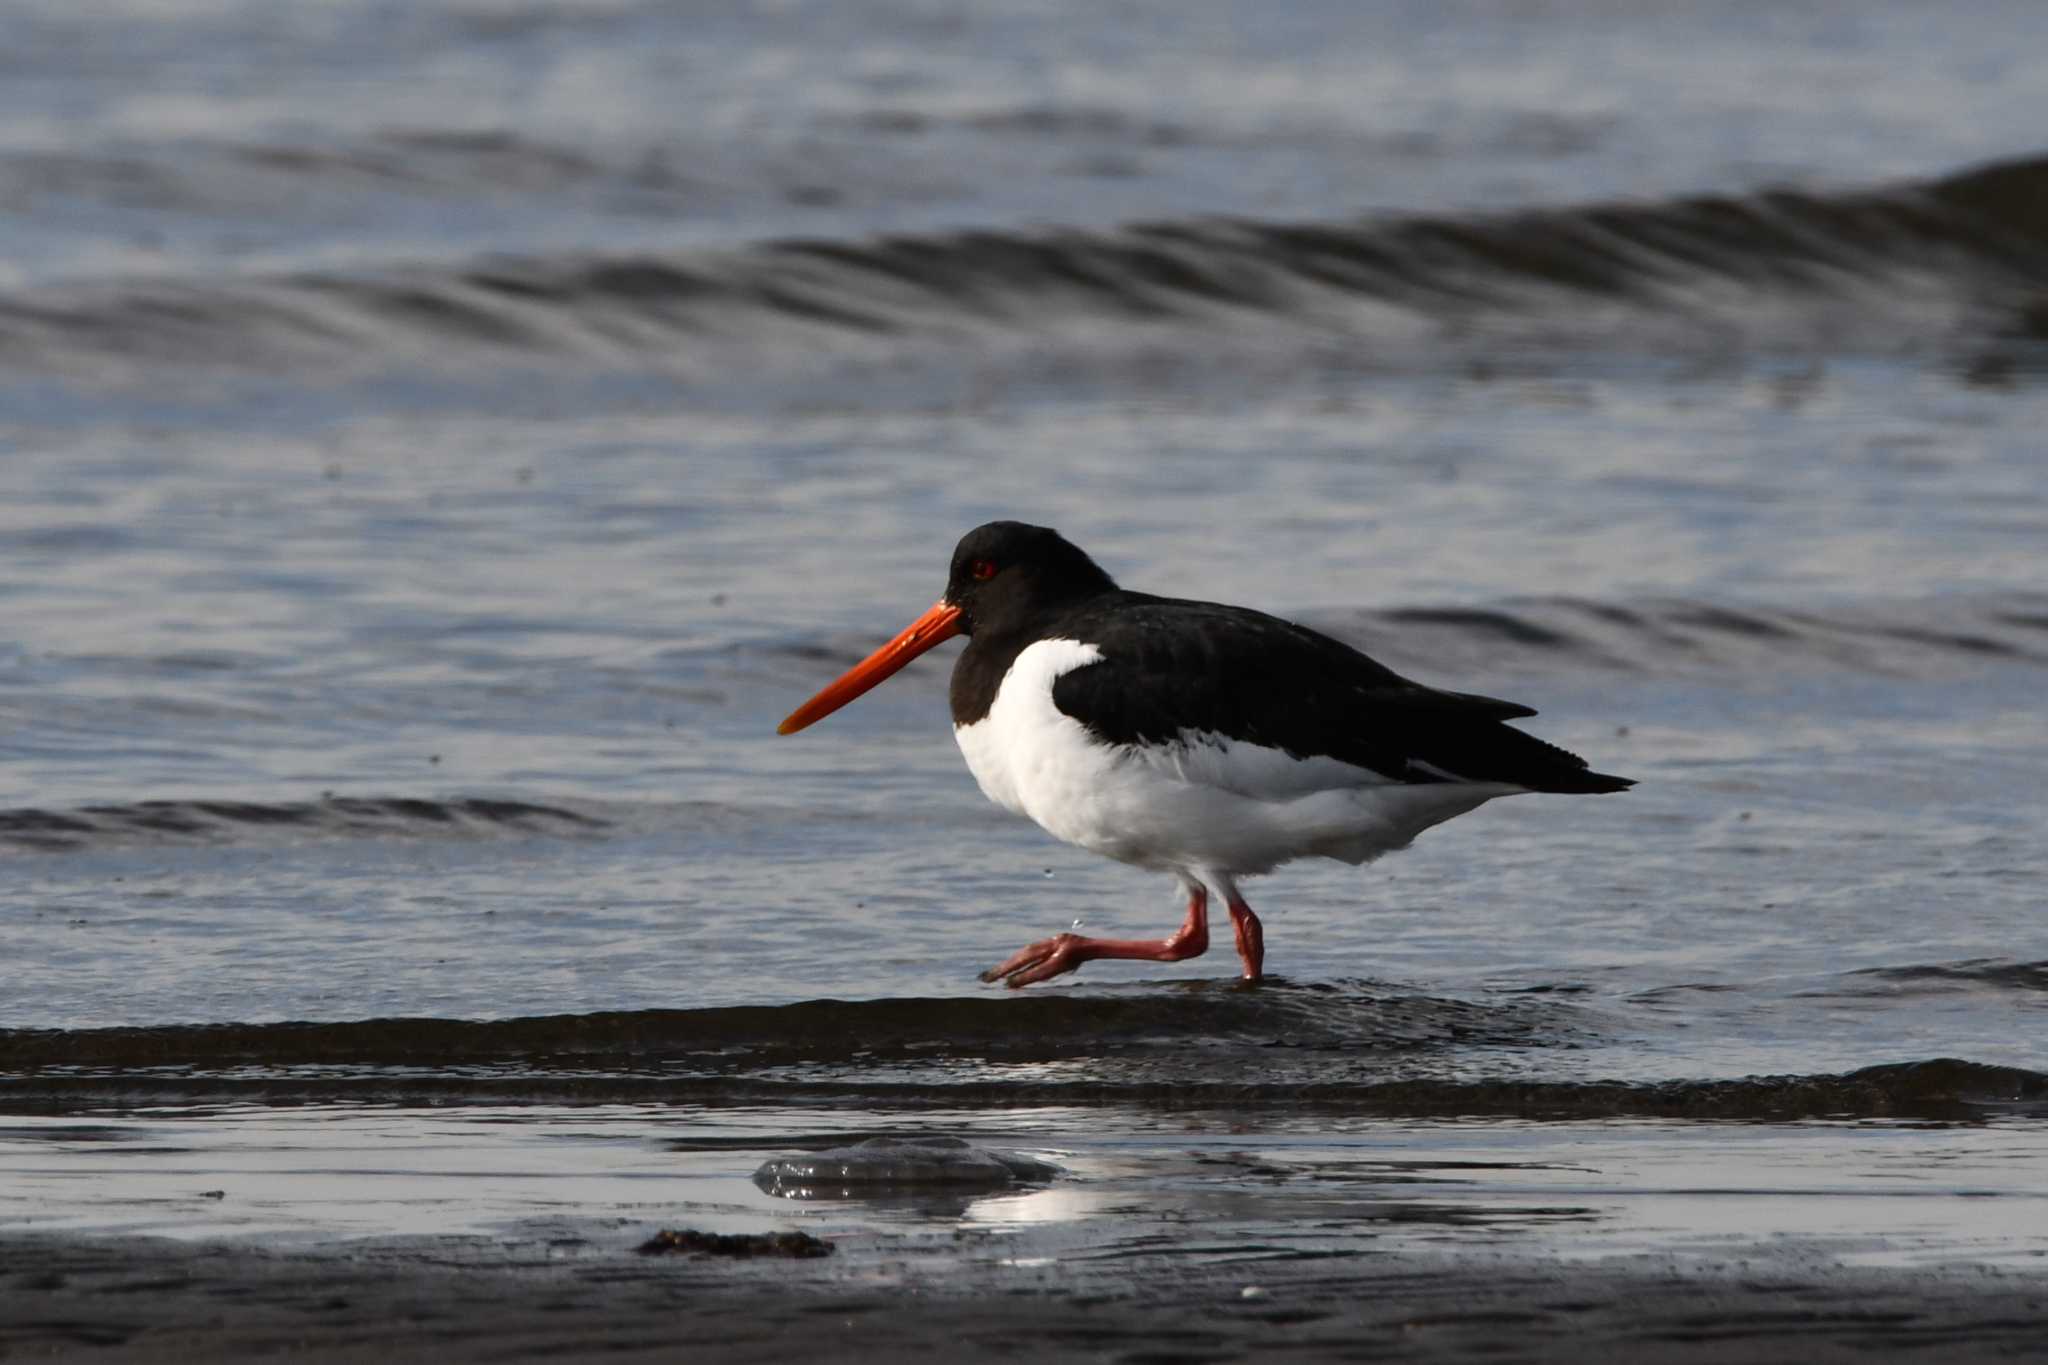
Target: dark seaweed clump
[[791, 1246]]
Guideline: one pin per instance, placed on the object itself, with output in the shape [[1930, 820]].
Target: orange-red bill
[[942, 622]]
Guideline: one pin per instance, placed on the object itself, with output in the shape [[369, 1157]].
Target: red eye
[[983, 569]]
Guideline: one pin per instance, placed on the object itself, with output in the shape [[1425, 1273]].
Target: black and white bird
[[1207, 741]]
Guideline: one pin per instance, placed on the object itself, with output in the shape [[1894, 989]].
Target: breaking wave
[[1913, 263], [1979, 974], [337, 816], [1323, 1047], [1668, 636]]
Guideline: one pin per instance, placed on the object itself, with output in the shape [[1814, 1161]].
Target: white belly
[[1209, 804]]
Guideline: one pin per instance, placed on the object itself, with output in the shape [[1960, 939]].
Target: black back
[[1178, 671]]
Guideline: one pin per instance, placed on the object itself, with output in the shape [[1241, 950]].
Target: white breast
[[1206, 804], [1026, 754]]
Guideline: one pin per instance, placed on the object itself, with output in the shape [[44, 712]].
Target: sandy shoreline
[[477, 1299]]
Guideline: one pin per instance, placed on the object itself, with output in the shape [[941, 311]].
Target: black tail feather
[[1587, 781], [1501, 753]]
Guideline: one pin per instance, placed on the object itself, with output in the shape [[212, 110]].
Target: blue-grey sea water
[[439, 441]]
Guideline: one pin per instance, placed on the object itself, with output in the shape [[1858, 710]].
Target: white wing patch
[[1255, 770]]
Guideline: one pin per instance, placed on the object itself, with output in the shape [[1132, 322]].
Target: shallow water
[[596, 1180], [430, 471]]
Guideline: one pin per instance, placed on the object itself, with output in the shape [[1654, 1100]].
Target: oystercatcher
[[1207, 741]]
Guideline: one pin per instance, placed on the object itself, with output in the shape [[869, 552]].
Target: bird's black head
[[1006, 572]]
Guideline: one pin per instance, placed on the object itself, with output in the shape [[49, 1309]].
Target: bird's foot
[[1062, 953], [1040, 961]]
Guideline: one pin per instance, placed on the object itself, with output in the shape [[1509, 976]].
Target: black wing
[[1174, 669]]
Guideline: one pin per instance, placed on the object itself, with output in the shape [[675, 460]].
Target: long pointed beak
[[941, 623]]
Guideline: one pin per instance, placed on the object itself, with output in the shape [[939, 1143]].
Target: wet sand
[[572, 1298]]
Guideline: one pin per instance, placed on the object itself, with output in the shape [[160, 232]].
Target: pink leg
[[1251, 936], [1064, 952]]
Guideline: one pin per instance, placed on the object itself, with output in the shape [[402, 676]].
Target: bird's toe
[[1037, 962]]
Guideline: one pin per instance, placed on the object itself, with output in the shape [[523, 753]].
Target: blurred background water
[[438, 441]]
